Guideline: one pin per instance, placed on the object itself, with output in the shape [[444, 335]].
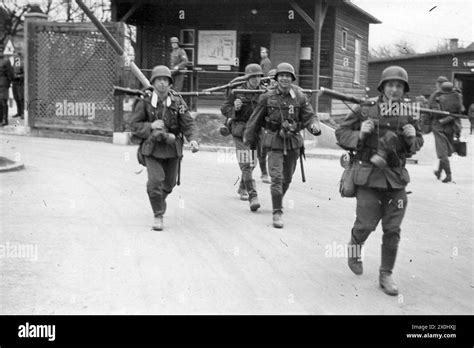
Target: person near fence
[[470, 114], [18, 84], [161, 120], [178, 61], [6, 76], [283, 111], [380, 184], [238, 108], [445, 128]]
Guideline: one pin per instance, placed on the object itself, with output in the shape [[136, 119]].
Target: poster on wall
[[217, 47]]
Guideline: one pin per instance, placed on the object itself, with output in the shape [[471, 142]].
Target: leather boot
[[438, 172], [242, 192], [354, 257], [277, 219], [386, 282], [254, 203], [158, 223], [447, 169]]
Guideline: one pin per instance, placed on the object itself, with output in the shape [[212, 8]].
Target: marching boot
[[254, 203], [277, 219], [354, 261], [158, 223], [438, 172], [242, 192], [251, 186], [385, 279], [447, 169]]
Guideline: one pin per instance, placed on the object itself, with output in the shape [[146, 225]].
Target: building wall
[[423, 71], [343, 75]]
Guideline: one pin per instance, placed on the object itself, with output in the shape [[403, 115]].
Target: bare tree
[[403, 47]]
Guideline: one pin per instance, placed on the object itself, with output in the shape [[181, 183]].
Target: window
[[357, 61], [344, 40], [187, 37]]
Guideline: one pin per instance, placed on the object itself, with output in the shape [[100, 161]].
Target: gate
[[71, 73]]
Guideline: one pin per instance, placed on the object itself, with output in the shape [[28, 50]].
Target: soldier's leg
[[262, 159], [170, 168], [155, 183], [21, 98], [4, 111], [178, 80], [246, 164], [368, 215], [275, 166], [394, 205], [289, 166], [447, 168]]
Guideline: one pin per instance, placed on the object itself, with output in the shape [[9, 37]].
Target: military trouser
[[282, 168], [262, 155], [246, 160], [162, 176], [178, 81], [374, 205], [18, 95], [3, 111]]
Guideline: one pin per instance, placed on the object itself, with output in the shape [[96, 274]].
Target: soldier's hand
[[194, 146], [366, 127], [237, 104], [409, 131], [315, 129], [158, 124]]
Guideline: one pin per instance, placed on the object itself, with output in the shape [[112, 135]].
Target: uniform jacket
[[6, 76], [446, 101], [272, 110], [240, 117], [266, 65], [18, 70], [395, 174], [177, 119], [178, 58]]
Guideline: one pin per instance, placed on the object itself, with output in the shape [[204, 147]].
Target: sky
[[423, 23]]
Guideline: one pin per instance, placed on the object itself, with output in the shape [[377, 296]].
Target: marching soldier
[[445, 128], [283, 111], [178, 61], [238, 108], [382, 143], [6, 76], [18, 84], [161, 120]]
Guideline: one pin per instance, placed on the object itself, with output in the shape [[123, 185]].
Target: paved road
[[83, 209]]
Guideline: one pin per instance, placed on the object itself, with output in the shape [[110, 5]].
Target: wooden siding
[[423, 71], [343, 76]]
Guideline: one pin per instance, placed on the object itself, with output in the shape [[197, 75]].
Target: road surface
[[82, 210]]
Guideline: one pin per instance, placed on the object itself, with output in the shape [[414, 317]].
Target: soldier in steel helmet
[[160, 120], [383, 138], [18, 84], [238, 108], [445, 128], [178, 61], [283, 111]]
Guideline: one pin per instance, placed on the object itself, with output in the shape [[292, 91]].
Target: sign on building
[[9, 49], [217, 47]]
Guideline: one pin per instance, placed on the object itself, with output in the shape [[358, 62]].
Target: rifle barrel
[[340, 96], [441, 112]]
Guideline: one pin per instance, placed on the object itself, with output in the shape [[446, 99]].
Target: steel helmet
[[253, 70], [394, 73], [447, 86], [287, 68], [272, 73], [160, 70], [442, 79], [174, 39]]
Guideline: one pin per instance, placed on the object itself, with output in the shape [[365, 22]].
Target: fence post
[[30, 19]]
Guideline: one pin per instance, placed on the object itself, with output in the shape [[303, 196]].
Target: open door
[[286, 48]]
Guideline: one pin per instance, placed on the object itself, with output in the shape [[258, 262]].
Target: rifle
[[302, 156], [362, 101], [140, 93], [237, 90], [234, 83]]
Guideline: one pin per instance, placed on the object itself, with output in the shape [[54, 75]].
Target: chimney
[[453, 44]]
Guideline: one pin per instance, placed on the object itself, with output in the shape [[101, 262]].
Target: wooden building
[[321, 38], [423, 70]]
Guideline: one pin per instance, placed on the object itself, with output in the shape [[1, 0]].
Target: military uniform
[[246, 157], [18, 84], [445, 128], [178, 61], [380, 194], [282, 116], [6, 76], [162, 159]]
